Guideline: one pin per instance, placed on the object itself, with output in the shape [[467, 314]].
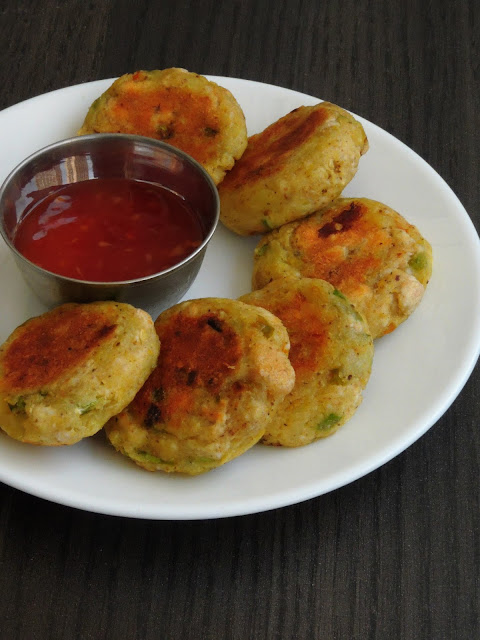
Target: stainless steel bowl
[[110, 156]]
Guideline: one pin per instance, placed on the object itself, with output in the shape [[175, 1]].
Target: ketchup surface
[[109, 229]]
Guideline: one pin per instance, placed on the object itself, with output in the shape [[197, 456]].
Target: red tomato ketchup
[[108, 230]]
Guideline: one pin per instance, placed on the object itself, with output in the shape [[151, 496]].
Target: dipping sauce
[[108, 230]]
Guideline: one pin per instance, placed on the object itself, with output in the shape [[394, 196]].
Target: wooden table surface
[[393, 555]]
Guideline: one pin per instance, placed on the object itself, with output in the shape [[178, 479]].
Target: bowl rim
[[130, 138]]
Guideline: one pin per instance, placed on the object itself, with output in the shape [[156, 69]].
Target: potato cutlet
[[176, 106], [222, 370], [65, 373], [364, 248], [331, 352], [295, 166]]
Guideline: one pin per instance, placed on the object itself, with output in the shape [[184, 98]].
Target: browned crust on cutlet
[[197, 352], [267, 152], [307, 331], [348, 227], [45, 348]]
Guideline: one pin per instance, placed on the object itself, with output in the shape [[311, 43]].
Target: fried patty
[[364, 248], [295, 166], [65, 373], [331, 352], [181, 108], [222, 370]]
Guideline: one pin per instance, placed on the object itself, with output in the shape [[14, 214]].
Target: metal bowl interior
[[110, 156]]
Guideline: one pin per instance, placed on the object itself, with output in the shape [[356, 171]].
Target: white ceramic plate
[[418, 370]]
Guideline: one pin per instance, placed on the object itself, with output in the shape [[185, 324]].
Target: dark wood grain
[[393, 555]]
